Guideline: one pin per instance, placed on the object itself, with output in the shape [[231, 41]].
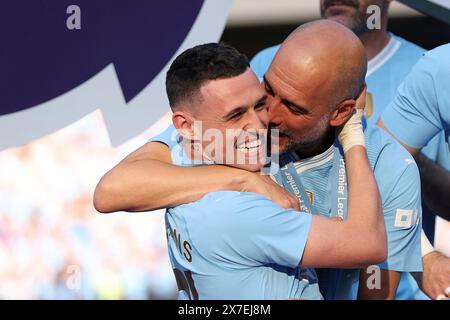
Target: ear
[[184, 123], [346, 108], [342, 113]]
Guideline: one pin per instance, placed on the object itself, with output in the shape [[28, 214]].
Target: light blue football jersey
[[419, 88], [385, 72], [237, 245], [399, 184], [421, 110], [420, 114], [398, 181]]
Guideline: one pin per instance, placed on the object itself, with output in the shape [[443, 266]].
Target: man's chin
[[288, 146], [284, 143], [335, 10], [350, 20], [341, 17]]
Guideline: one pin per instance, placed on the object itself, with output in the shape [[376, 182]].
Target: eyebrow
[[240, 109], [267, 84], [261, 100], [284, 101]]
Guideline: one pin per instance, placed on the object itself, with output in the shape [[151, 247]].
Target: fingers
[[293, 200], [268, 179], [287, 200], [447, 292], [445, 296], [352, 133], [436, 276], [278, 194], [295, 203]]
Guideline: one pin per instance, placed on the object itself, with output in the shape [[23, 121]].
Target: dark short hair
[[195, 66]]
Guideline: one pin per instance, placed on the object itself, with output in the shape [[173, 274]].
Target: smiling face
[[351, 13], [234, 111], [219, 106]]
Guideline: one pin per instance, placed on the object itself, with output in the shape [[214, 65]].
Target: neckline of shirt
[[384, 55], [314, 161]]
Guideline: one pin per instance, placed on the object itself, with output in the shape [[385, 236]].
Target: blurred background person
[[423, 105]]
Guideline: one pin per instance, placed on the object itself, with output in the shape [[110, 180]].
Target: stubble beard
[[311, 139]]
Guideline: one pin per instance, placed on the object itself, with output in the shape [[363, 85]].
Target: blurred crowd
[[54, 245]]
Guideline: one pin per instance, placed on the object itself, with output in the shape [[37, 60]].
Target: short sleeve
[[169, 137], [403, 219], [251, 230], [172, 139], [416, 114]]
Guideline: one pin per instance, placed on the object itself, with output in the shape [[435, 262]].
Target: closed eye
[[261, 106], [236, 116], [295, 109], [268, 88]]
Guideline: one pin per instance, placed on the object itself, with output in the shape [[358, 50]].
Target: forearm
[[144, 185], [364, 221], [360, 239], [435, 182]]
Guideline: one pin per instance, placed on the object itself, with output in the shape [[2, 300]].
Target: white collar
[[384, 55], [312, 162]]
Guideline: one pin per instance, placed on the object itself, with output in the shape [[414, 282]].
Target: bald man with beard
[[304, 71], [390, 59], [312, 82], [309, 87]]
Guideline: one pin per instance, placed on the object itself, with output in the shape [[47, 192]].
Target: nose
[[256, 120]]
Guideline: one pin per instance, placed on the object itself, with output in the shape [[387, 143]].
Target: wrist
[[425, 244], [241, 180], [352, 133], [355, 155]]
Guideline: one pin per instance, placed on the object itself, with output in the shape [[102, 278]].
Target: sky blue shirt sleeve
[[169, 137], [250, 230], [400, 192], [172, 139], [262, 60], [421, 108]]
